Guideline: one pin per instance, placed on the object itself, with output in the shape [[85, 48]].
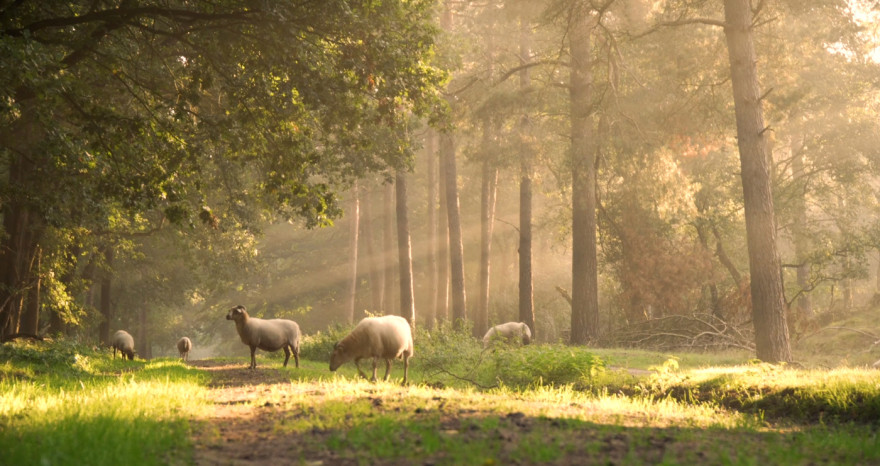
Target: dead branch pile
[[692, 332]]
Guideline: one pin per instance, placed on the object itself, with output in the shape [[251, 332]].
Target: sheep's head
[[338, 357], [526, 334], [237, 313]]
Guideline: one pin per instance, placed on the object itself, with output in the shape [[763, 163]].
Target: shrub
[[317, 347]]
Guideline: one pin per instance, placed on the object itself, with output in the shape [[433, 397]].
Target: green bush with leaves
[[318, 346]]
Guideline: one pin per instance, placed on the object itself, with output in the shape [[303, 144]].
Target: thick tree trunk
[[432, 253], [526, 287], [389, 304], [487, 224], [30, 315], [456, 248], [804, 302], [768, 302], [584, 267], [354, 229], [404, 253], [106, 306], [376, 282]]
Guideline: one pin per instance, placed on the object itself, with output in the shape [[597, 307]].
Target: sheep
[[268, 335], [184, 345], [386, 337], [511, 331], [122, 341]]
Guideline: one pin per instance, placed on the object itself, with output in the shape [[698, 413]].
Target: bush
[[43, 356], [317, 347]]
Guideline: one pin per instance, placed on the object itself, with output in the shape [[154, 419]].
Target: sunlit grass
[[106, 413]]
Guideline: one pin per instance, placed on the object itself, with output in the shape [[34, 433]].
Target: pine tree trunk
[[456, 248], [442, 236], [768, 302], [804, 302], [30, 315], [376, 282], [106, 306], [354, 229], [389, 304], [526, 287], [584, 267], [432, 253], [404, 253], [487, 223]]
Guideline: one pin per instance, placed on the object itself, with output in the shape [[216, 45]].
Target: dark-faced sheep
[[122, 341], [387, 337], [509, 332], [184, 345], [267, 335]]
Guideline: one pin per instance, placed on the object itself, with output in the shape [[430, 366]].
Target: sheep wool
[[267, 335], [184, 345], [122, 341], [510, 332], [386, 337]]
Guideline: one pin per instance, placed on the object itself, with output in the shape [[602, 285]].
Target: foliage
[[319, 346]]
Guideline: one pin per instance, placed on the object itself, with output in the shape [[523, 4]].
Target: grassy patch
[[73, 406]]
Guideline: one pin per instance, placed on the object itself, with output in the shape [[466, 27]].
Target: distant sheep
[[122, 341], [184, 345], [267, 335], [510, 332], [387, 337]]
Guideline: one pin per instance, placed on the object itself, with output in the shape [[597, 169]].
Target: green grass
[[73, 407]]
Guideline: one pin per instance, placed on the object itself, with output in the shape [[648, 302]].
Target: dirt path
[[239, 429]]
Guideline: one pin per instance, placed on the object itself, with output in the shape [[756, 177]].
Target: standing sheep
[[268, 335], [122, 341], [386, 337], [511, 332], [184, 345]]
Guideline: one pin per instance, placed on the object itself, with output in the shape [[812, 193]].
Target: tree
[[526, 292], [355, 216], [768, 302], [404, 251], [585, 296]]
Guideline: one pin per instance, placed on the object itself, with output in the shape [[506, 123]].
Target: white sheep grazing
[[510, 332], [122, 341], [268, 335], [386, 337], [184, 345]]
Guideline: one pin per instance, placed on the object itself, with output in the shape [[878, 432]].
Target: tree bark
[[389, 304], [768, 302], [487, 224], [584, 268], [526, 287], [354, 229], [30, 315], [433, 265], [456, 248], [442, 311], [404, 253], [804, 302], [106, 305], [376, 282]]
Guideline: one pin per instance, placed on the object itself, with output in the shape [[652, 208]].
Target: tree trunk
[[106, 306], [804, 302], [376, 282], [354, 228], [487, 223], [584, 267], [768, 302], [389, 304], [526, 287], [30, 315], [404, 253], [433, 264], [456, 248], [443, 236]]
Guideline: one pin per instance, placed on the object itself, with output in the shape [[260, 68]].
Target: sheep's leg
[[296, 355], [286, 354], [375, 366], [253, 358], [357, 363], [405, 367], [387, 368]]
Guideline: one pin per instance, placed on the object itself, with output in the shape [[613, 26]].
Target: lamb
[[386, 337], [184, 345], [511, 331], [122, 341], [267, 335]]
